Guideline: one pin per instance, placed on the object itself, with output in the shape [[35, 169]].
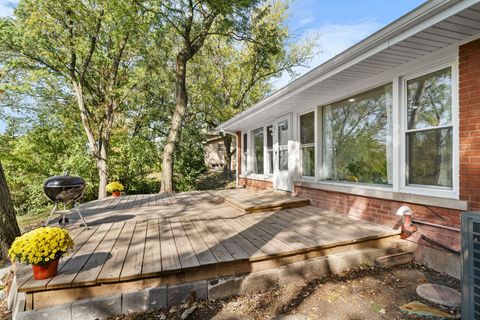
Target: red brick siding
[[469, 99], [383, 212], [255, 184]]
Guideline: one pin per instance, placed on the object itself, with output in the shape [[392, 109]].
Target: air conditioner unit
[[471, 266]]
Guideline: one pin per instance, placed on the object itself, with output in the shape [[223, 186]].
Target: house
[[215, 153], [392, 121]]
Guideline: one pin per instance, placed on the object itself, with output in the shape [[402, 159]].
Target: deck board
[[73, 266], [252, 250], [253, 237], [113, 266], [134, 259], [151, 236], [152, 263], [217, 249], [42, 284], [170, 258], [92, 268], [235, 250], [186, 254], [204, 255]]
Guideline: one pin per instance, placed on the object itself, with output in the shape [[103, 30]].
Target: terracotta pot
[[46, 271], [116, 194]]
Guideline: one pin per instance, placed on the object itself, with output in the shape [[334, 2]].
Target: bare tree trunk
[[227, 167], [9, 229], [102, 173], [181, 99]]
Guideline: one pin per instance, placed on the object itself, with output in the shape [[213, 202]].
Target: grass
[[28, 220]]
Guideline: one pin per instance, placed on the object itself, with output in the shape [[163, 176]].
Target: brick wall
[[383, 212], [469, 99], [255, 184]]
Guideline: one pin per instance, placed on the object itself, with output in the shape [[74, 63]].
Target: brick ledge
[[389, 195]]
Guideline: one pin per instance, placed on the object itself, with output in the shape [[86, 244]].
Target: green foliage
[[119, 58], [189, 159]]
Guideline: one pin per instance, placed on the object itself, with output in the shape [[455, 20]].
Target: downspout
[[237, 184]]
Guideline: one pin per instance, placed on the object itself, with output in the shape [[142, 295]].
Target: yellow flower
[[41, 245], [114, 186]]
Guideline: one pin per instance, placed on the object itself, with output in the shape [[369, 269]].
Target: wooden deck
[[158, 236]]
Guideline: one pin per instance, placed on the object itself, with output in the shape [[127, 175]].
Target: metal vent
[[471, 265]]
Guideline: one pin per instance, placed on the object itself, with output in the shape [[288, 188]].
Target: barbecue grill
[[64, 189]]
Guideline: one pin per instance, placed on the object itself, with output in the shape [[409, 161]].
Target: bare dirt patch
[[365, 293]]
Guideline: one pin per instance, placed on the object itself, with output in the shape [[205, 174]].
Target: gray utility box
[[471, 266]]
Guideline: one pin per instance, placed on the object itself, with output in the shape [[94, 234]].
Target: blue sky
[[339, 24]]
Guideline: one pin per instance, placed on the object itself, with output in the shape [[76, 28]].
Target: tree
[[92, 46], [192, 22], [9, 230], [232, 75]]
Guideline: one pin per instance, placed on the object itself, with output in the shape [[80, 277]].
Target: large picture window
[[307, 144], [357, 138], [429, 130], [258, 150]]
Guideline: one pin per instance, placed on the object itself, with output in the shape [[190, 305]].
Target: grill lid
[[64, 181], [64, 188]]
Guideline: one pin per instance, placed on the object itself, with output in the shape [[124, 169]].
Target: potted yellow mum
[[115, 188], [42, 248]]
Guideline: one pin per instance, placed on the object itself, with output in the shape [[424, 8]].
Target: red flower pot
[[46, 271], [116, 194]]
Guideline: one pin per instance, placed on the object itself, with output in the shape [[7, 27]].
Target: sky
[[339, 24]]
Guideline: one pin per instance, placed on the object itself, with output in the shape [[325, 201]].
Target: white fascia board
[[413, 22]]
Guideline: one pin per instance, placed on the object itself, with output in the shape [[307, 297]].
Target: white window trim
[[398, 132], [320, 177], [245, 160], [436, 191], [266, 164], [252, 137], [313, 144]]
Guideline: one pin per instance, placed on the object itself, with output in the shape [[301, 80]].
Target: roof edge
[[409, 20]]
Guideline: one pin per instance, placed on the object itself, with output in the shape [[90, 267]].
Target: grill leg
[[51, 213], [80, 214]]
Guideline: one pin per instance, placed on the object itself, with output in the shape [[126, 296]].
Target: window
[[283, 145], [258, 150], [245, 153], [269, 150], [429, 130], [357, 138], [307, 144]]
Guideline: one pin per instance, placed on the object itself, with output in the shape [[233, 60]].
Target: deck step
[[262, 204]]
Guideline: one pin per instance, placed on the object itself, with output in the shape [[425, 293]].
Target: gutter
[[382, 39]]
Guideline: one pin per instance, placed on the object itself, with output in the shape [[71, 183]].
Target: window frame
[[306, 145], [430, 190], [254, 156], [266, 163], [399, 100], [322, 163], [245, 157]]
